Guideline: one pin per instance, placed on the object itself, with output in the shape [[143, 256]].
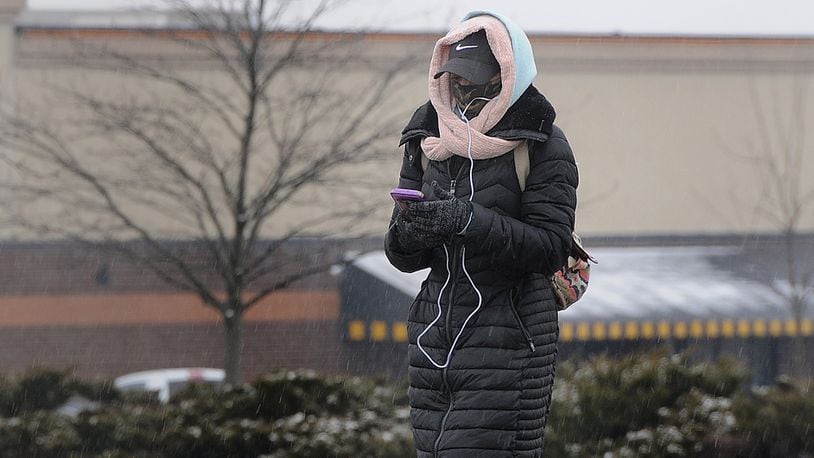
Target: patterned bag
[[570, 282]]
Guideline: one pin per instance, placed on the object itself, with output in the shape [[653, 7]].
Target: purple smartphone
[[401, 195]]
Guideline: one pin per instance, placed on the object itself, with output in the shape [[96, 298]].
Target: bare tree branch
[[215, 159]]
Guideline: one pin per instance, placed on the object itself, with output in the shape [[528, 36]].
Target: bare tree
[[259, 136], [778, 152]]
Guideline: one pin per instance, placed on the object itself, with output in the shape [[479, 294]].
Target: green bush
[[126, 427], [640, 405], [286, 393], [304, 436], [652, 405], [778, 420], [37, 434], [285, 414], [46, 389], [38, 389]]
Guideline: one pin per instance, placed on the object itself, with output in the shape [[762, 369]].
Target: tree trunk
[[799, 356], [234, 347], [797, 303], [799, 359]]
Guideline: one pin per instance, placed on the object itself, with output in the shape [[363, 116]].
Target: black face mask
[[466, 94]]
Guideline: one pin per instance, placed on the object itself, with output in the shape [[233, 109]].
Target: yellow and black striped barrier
[[693, 329], [377, 331], [380, 331]]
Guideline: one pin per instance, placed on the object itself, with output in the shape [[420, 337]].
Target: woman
[[483, 329]]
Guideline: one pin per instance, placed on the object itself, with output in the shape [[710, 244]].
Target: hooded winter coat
[[488, 290]]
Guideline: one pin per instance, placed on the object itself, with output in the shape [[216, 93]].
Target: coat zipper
[[523, 329], [448, 334], [446, 415], [447, 326]]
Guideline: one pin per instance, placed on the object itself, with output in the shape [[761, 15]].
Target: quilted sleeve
[[540, 240], [410, 177]]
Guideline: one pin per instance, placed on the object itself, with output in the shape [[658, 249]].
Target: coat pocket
[[513, 298]]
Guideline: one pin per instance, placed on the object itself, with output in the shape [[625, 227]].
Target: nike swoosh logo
[[461, 47]]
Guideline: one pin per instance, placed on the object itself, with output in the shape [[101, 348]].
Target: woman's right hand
[[413, 237]]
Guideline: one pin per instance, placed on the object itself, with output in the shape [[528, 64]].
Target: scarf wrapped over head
[[512, 50]]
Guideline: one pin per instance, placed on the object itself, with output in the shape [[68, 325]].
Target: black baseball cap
[[471, 58]]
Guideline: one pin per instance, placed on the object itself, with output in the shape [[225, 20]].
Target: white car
[[167, 382]]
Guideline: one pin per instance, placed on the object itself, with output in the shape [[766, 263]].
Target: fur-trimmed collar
[[531, 118]]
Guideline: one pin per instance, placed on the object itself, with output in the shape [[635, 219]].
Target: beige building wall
[[9, 10], [661, 127]]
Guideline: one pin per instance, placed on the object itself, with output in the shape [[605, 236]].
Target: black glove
[[445, 217], [411, 238]]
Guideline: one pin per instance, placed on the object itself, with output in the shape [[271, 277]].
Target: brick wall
[[108, 351], [63, 305]]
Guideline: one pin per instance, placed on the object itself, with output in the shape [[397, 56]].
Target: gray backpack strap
[[521, 163], [425, 161]]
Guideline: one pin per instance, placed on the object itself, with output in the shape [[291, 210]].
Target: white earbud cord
[[463, 262]]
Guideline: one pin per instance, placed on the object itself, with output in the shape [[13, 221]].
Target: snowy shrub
[[284, 414], [47, 389], [777, 420], [651, 405]]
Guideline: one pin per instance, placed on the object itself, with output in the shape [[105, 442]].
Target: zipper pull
[[452, 186]]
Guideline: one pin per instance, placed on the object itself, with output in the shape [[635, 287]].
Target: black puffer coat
[[492, 399]]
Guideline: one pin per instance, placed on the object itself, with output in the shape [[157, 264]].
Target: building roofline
[[621, 241], [582, 38], [684, 240]]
